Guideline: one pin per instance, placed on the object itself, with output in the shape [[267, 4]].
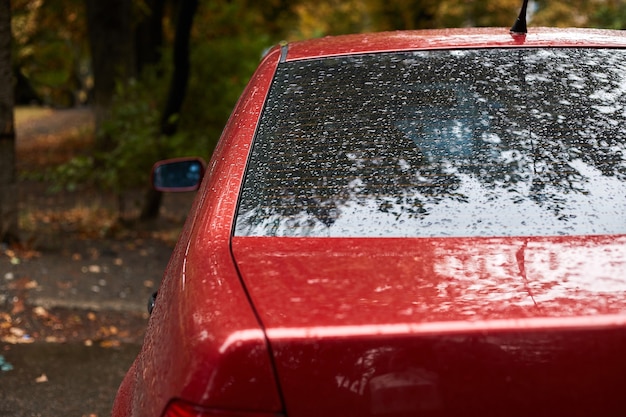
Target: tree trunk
[[180, 77], [149, 36], [9, 231], [176, 94], [109, 28]]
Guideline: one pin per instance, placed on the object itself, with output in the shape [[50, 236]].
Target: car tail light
[[178, 408]]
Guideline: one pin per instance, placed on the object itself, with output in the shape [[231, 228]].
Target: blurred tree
[[476, 13], [403, 14], [8, 197], [50, 51], [609, 14], [561, 13], [277, 16], [176, 94], [148, 34], [109, 28], [181, 63], [330, 17], [228, 39]]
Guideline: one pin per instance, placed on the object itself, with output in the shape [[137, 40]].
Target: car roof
[[450, 39]]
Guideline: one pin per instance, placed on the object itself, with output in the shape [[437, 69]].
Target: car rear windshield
[[488, 142]]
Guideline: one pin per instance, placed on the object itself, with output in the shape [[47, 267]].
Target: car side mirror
[[178, 175]]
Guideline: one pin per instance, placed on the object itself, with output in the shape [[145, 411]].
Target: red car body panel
[[548, 372], [202, 321], [481, 326], [394, 327], [453, 39], [334, 282]]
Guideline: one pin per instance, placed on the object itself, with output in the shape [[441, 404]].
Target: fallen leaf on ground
[[16, 331], [40, 312], [64, 285], [5, 318], [110, 343], [93, 269], [16, 340], [18, 306], [23, 284], [54, 339], [31, 285]]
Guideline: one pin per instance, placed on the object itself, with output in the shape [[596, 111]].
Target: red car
[[427, 223]]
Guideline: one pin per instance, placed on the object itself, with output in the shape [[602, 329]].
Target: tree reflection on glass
[[477, 142]]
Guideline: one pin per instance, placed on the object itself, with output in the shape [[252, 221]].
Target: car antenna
[[519, 27]]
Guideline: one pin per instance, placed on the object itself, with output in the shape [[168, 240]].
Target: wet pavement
[[72, 319], [71, 379], [73, 294]]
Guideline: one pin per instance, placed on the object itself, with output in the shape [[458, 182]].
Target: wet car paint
[[201, 303], [449, 39], [506, 373], [207, 344], [354, 281], [483, 326]]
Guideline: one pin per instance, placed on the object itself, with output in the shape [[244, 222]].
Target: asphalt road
[[70, 379], [73, 305]]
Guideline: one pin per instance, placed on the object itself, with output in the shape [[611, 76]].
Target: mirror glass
[[178, 175]]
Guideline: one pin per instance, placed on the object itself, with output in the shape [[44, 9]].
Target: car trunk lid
[[456, 326]]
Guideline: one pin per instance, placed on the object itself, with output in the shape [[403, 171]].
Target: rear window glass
[[484, 142]]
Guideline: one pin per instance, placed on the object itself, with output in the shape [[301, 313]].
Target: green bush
[[130, 139], [220, 70], [129, 143]]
